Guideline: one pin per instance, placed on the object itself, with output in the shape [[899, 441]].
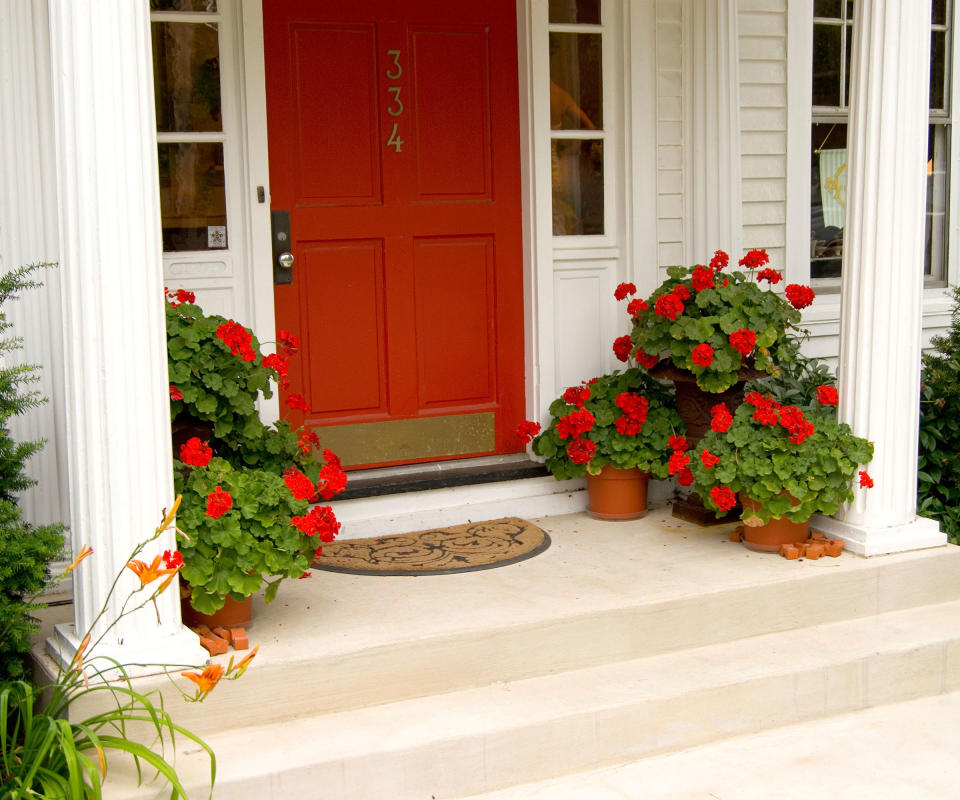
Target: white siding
[[670, 178]]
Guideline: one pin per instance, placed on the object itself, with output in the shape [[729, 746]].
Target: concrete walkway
[[904, 751]]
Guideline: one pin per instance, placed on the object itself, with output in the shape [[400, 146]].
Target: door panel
[[394, 145]]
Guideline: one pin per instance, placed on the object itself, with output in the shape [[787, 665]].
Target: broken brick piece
[[201, 630], [789, 551], [736, 535], [223, 633], [215, 645], [239, 638], [818, 535], [814, 550], [833, 547]]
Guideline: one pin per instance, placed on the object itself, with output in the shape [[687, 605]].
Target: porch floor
[[359, 675]]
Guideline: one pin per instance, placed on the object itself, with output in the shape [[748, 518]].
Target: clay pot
[[617, 494], [234, 614], [778, 531]]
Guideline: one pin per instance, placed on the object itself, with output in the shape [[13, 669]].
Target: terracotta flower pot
[[617, 494], [768, 538], [234, 614]]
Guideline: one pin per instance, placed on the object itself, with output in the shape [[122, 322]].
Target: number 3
[[396, 62], [395, 91]]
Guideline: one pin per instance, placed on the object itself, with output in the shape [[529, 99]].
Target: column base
[[917, 534], [182, 650]]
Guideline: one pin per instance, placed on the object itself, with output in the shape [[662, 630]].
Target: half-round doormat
[[461, 548]]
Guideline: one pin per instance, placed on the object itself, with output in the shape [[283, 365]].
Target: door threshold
[[441, 475]]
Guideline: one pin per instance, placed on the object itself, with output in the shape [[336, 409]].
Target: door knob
[[286, 260]]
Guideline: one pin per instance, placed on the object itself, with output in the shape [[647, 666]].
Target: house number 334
[[395, 108]]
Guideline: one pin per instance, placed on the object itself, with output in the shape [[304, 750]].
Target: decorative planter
[[234, 614], [617, 494], [778, 531]]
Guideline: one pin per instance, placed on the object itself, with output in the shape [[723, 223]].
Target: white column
[[118, 430], [711, 72], [880, 319]]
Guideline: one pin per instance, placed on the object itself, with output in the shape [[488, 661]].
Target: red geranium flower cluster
[[622, 347], [172, 559], [581, 450], [720, 418], [770, 412], [800, 296], [702, 278], [175, 393], [575, 424], [307, 440], [634, 407], [526, 430], [179, 296], [237, 338], [724, 497], [679, 460], [297, 402], [709, 459], [577, 395], [827, 395], [865, 480], [288, 342], [668, 306], [743, 340], [702, 355], [647, 360], [769, 274], [219, 503], [195, 453], [332, 479], [681, 291], [755, 259], [300, 486], [719, 261], [623, 290], [636, 306], [277, 363], [319, 522]]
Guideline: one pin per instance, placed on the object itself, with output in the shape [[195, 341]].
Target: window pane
[[939, 15], [935, 252], [576, 89], [183, 5], [583, 11], [186, 76], [577, 177], [828, 8], [828, 197], [826, 65], [848, 57], [193, 206], [938, 51]]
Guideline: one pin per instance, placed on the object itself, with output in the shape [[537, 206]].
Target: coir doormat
[[461, 548]]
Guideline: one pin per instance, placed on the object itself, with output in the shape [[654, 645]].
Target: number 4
[[395, 140]]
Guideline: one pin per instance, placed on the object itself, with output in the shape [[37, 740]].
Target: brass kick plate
[[410, 439]]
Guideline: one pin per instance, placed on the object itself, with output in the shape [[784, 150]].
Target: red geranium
[[702, 278], [581, 450], [237, 338], [277, 363], [622, 347], [307, 440], [678, 461], [575, 424], [333, 479], [681, 291], [175, 393], [288, 342], [577, 395], [297, 402], [636, 306], [724, 497], [865, 480], [720, 418], [668, 306], [685, 476], [709, 460], [319, 522], [526, 430], [799, 296], [172, 559], [827, 395], [719, 261], [219, 503], [647, 360], [195, 453], [300, 486], [755, 259], [743, 340], [678, 444], [769, 274], [628, 426], [702, 355], [623, 290]]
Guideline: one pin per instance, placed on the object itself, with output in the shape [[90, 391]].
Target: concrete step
[[478, 740]]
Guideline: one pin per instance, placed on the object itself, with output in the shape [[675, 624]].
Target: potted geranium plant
[[785, 464], [247, 487], [616, 430], [708, 329]]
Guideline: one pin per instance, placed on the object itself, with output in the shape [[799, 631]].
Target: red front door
[[394, 145]]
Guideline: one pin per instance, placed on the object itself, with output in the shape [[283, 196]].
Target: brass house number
[[395, 108]]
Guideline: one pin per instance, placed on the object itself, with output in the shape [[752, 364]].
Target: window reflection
[[186, 76], [577, 177], [575, 11], [193, 207], [828, 198], [576, 87]]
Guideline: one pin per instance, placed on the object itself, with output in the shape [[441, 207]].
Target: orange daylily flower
[[241, 667], [85, 551], [147, 573], [207, 679], [169, 515]]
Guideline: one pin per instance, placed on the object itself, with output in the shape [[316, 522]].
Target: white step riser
[[461, 765], [420, 668]]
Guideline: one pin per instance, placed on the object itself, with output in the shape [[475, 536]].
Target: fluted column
[[118, 430], [711, 73], [880, 317]]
